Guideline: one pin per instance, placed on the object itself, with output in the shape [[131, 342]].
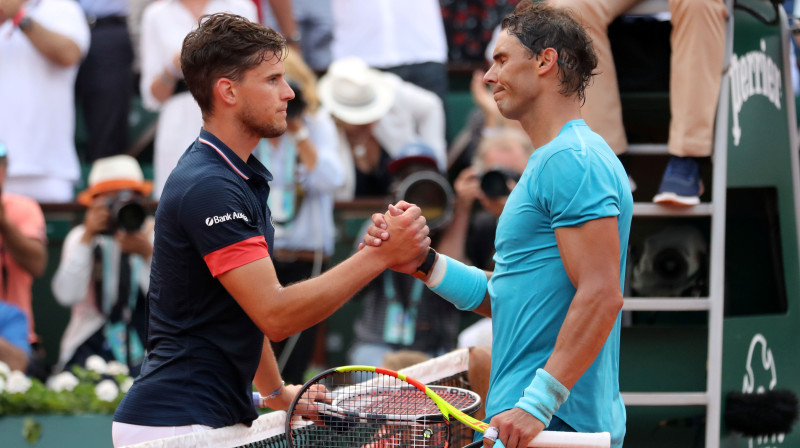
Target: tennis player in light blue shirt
[[571, 180], [555, 295]]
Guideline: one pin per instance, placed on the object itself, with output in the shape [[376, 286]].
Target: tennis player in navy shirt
[[214, 294]]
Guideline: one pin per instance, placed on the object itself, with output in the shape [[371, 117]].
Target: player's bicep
[[253, 285], [591, 252]]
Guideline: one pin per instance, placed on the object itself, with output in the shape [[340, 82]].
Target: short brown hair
[[225, 46], [539, 26]]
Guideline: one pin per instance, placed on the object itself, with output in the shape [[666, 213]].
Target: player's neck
[[543, 122], [241, 143]]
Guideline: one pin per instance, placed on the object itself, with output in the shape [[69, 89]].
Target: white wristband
[[437, 274]]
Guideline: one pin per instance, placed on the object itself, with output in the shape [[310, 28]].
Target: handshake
[[401, 236]]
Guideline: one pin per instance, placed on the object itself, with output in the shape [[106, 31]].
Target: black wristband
[[425, 267]]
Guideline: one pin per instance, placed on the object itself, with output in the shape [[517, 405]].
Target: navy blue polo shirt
[[202, 348]]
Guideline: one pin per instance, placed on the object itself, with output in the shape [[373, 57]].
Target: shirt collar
[[252, 168]]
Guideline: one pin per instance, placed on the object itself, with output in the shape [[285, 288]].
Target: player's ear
[[225, 91], [548, 60]]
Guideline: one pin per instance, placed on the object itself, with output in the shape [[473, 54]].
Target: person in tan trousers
[[698, 50]]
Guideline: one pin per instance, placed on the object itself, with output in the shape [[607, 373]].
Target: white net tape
[[267, 426]]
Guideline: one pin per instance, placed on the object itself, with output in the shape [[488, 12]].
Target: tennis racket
[[373, 407]]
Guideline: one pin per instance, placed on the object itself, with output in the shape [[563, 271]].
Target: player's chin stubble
[[262, 128]]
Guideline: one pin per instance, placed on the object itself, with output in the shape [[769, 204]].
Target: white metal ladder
[[714, 303]]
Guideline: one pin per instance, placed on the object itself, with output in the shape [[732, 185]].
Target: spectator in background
[[104, 271], [14, 346], [403, 37], [307, 26], [306, 170], [164, 25], [698, 41], [376, 115], [400, 317], [41, 45], [23, 250], [105, 78]]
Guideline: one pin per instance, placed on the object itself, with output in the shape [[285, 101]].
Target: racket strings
[[367, 409], [400, 402]]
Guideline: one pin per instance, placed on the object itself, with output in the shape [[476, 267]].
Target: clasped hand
[[402, 234]]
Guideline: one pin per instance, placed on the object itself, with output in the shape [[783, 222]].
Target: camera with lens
[[126, 212], [494, 182], [672, 264], [432, 193]]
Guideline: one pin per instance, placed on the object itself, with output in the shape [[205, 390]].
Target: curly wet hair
[[539, 26]]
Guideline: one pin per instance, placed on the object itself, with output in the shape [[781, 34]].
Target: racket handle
[[561, 439], [479, 443]]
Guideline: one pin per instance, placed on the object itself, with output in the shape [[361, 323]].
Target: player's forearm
[[56, 47], [589, 321], [299, 306], [463, 286], [268, 379]]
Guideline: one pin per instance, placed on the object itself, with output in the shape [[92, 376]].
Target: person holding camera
[[104, 271]]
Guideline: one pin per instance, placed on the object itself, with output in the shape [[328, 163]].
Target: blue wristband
[[463, 286], [543, 397]]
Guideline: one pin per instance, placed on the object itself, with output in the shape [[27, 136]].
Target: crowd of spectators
[[383, 81]]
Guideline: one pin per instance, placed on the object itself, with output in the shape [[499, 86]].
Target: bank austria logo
[[754, 73], [211, 220]]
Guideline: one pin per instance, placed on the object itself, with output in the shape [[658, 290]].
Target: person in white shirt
[[377, 114], [41, 44], [406, 38], [104, 273], [164, 25]]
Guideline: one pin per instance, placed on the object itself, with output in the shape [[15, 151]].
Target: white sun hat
[[121, 172], [354, 92]]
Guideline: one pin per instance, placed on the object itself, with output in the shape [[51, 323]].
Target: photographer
[[104, 271]]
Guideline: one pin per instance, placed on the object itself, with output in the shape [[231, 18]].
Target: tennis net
[[268, 431]]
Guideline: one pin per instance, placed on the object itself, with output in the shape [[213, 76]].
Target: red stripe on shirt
[[238, 254]]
